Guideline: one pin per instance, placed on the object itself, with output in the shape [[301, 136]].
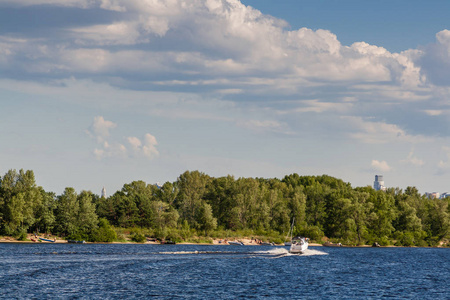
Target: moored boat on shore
[[46, 240], [236, 243], [76, 242], [328, 244]]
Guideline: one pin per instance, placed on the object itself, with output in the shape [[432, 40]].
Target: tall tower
[[378, 184], [103, 192]]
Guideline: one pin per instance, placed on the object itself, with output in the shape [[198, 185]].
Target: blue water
[[49, 271]]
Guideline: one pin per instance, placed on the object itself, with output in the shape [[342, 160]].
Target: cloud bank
[[221, 61]]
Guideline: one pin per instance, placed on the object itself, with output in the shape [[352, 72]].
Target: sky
[[99, 93]]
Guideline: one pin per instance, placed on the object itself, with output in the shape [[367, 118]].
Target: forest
[[197, 207]]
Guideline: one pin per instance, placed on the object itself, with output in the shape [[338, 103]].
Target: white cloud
[[147, 148], [380, 132], [413, 160], [134, 142], [444, 164], [381, 166], [119, 33], [112, 5], [115, 150], [434, 112], [216, 38], [100, 128], [109, 147], [319, 107], [434, 60], [265, 126]]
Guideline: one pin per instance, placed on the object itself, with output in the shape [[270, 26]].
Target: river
[[115, 271]]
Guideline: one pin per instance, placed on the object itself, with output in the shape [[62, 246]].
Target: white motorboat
[[298, 245]]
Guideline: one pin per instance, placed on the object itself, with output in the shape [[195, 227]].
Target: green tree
[[360, 213], [205, 218], [220, 194], [381, 226], [439, 219], [67, 212], [192, 186], [13, 214], [316, 213], [87, 218], [45, 217], [138, 207], [163, 216], [167, 193], [19, 199]]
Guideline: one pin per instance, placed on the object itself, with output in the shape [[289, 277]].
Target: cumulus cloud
[[110, 34], [435, 59], [216, 38], [381, 166], [413, 160], [100, 128], [110, 147], [214, 48], [146, 148], [107, 150]]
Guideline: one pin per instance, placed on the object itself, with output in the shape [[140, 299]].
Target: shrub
[[104, 233], [277, 240], [407, 239], [313, 232], [138, 238], [22, 236]]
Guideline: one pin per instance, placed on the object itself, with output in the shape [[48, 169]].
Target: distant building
[[103, 192], [378, 184], [433, 195], [445, 195]]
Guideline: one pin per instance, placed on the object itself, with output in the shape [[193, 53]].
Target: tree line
[[198, 204]]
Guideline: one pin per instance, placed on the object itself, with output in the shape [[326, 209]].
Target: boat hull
[[76, 242], [234, 243], [46, 240], [298, 246]]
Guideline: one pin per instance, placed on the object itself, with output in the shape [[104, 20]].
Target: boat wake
[[272, 253], [311, 252]]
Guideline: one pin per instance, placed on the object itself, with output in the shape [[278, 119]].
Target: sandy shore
[[245, 241], [31, 239]]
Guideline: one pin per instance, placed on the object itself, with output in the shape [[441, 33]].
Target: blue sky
[[100, 93], [395, 25]]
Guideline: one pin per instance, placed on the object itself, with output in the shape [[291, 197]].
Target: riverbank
[[59, 240], [245, 241]]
